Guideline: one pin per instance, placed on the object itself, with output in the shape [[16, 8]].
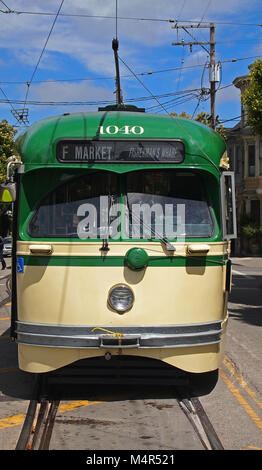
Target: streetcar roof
[[37, 145]]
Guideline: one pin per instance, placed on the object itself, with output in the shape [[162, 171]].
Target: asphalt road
[[235, 406], [133, 421]]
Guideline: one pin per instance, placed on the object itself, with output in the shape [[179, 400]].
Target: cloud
[[71, 92], [229, 94], [88, 40]]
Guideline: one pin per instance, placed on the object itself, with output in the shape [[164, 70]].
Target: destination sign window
[[105, 151]]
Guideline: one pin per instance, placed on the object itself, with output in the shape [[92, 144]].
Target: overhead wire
[[170, 69], [204, 154], [207, 7], [166, 20], [186, 97], [42, 52], [97, 102], [9, 9]]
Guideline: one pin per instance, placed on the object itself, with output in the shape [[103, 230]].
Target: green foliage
[[7, 146], [204, 118], [252, 98], [252, 231]]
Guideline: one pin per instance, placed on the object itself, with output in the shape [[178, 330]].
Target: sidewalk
[[250, 262]]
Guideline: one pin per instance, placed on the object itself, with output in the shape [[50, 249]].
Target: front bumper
[[107, 337]]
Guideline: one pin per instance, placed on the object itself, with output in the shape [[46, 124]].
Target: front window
[[149, 204], [177, 200], [61, 212]]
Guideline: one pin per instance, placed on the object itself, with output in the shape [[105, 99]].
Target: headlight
[[121, 298]]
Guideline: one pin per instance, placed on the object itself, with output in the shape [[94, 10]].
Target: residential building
[[245, 156]]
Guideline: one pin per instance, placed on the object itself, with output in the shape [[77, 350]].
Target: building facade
[[245, 156]]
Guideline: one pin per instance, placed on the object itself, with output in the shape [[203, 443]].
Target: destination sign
[[105, 151]]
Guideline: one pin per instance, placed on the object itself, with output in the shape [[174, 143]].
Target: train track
[[197, 416], [39, 422], [38, 425]]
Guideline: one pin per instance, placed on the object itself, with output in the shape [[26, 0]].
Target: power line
[[171, 69], [9, 10], [207, 7], [94, 102], [166, 20], [204, 154], [42, 52]]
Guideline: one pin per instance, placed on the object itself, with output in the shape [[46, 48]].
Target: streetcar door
[[228, 202]]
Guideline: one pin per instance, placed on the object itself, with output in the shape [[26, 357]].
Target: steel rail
[[38, 425], [197, 416]]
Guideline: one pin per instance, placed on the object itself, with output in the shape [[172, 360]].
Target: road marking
[[75, 404], [242, 382], [17, 420], [251, 447], [11, 421], [241, 400]]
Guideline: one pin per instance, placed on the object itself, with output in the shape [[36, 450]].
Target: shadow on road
[[245, 300]]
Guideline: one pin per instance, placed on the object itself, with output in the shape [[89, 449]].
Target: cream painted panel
[[78, 295]]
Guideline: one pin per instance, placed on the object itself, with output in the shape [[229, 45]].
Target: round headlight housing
[[121, 298]]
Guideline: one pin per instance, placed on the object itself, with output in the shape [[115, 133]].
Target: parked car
[[7, 248]]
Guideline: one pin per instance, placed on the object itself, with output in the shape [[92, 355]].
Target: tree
[[7, 146], [205, 118], [252, 98]]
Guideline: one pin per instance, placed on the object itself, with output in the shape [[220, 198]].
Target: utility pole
[[213, 67]]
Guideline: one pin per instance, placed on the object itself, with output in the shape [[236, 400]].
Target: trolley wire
[[165, 20]]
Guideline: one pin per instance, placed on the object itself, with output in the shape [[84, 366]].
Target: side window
[[227, 184]]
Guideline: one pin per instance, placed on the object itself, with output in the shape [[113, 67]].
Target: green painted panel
[[109, 261], [37, 145]]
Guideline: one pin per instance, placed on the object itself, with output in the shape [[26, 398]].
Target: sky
[[56, 56]]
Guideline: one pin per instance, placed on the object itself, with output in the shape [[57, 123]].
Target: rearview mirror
[[228, 201]]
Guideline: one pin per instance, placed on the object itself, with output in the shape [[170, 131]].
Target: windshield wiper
[[169, 246]]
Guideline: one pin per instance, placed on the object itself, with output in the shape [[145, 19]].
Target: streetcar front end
[[120, 249]]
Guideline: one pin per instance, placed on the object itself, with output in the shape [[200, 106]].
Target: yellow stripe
[[11, 421], [254, 448], [76, 404], [4, 318], [241, 400], [17, 420], [242, 382]]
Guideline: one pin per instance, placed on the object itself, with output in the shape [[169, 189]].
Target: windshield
[[78, 208], [169, 203], [148, 204]]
